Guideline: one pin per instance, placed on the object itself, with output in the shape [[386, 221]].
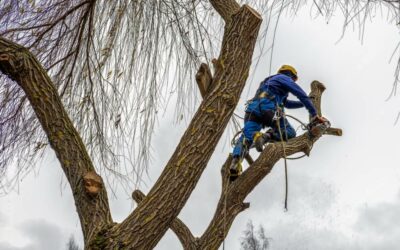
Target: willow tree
[[86, 79]]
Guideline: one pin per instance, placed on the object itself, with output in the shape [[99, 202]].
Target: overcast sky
[[346, 195]]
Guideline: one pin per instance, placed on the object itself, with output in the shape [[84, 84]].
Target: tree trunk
[[87, 187], [158, 211], [153, 216]]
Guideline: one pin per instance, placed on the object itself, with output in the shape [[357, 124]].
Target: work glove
[[319, 119]]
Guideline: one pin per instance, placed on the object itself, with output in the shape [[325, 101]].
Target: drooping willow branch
[[103, 53]]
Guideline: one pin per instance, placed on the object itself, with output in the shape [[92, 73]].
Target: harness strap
[[267, 95], [265, 119]]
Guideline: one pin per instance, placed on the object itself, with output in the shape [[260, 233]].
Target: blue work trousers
[[245, 141]]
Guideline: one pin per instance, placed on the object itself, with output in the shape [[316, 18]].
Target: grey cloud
[[41, 234], [6, 246], [376, 227], [305, 192], [44, 234], [381, 218], [3, 219], [301, 237], [379, 225]]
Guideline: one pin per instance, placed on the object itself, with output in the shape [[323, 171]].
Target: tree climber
[[265, 110]]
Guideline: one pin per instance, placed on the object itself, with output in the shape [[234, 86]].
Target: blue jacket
[[279, 86]]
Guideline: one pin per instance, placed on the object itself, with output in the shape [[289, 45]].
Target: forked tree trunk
[[152, 218], [148, 223], [158, 211]]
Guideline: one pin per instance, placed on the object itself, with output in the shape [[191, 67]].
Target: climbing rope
[[278, 118], [234, 139], [304, 127]]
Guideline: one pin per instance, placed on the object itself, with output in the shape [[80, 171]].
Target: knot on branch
[[138, 196], [218, 64], [4, 57], [12, 63], [245, 205], [229, 99], [93, 183]]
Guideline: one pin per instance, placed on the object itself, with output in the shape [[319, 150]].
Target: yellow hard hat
[[288, 68]]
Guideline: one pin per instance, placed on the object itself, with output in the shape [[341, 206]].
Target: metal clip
[[278, 114]]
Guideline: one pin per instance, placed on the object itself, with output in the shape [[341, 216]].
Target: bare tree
[[86, 77], [254, 240], [107, 60]]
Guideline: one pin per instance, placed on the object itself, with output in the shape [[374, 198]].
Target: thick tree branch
[[183, 233], [90, 196], [233, 195], [227, 210], [155, 213], [334, 131], [225, 8], [317, 89]]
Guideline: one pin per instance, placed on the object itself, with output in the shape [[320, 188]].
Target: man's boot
[[235, 169], [260, 139]]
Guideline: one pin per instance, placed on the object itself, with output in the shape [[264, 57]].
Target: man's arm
[[293, 104], [295, 89]]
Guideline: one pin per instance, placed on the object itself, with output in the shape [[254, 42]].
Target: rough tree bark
[[87, 187], [150, 220], [158, 211], [167, 197]]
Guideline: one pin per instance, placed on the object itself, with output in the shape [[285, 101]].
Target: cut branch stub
[[317, 88], [203, 79], [11, 59], [334, 131], [226, 8], [138, 196], [93, 183]]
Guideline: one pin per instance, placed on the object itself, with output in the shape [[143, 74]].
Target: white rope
[[284, 154]]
